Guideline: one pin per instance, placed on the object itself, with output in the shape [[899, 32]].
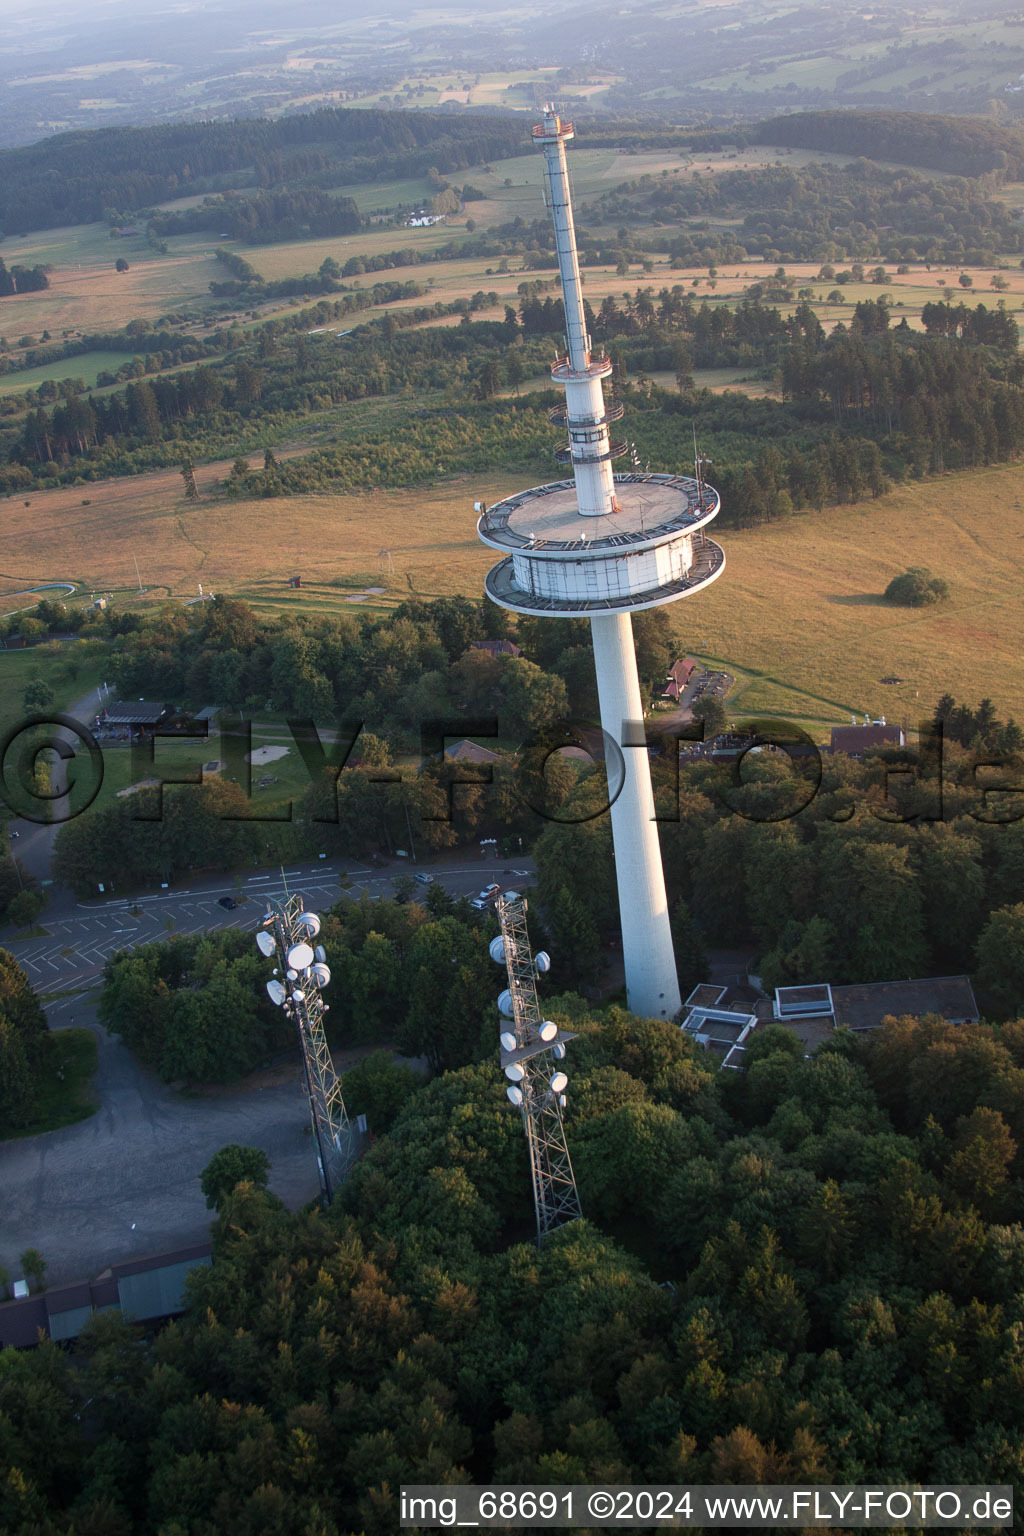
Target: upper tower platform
[[651, 550], [600, 542]]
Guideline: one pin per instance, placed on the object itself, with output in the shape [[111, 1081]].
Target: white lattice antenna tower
[[602, 546], [531, 1055], [300, 975], [385, 563]]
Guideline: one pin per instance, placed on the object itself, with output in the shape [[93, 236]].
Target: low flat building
[[467, 751], [813, 1013], [855, 740], [147, 1290], [864, 1006], [496, 647], [135, 716], [720, 1019]]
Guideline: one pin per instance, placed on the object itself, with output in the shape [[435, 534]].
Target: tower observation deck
[[601, 546]]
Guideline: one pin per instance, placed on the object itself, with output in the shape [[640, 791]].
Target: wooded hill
[[968, 146], [840, 1235], [74, 178]]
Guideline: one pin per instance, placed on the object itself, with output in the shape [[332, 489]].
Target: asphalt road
[[75, 1193], [126, 1181], [81, 935]]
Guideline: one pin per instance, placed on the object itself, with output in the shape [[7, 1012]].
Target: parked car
[[227, 902], [424, 879]]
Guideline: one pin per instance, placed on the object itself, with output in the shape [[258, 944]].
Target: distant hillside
[[967, 146], [74, 178]]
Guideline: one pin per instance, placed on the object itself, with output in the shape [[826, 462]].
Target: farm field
[[806, 593], [87, 366], [86, 294], [511, 89]]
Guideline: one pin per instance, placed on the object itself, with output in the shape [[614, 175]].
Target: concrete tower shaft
[[601, 546]]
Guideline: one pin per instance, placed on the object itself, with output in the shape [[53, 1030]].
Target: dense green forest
[[967, 146], [815, 212], [389, 673], [268, 216], [23, 1035], [841, 1236], [76, 178], [864, 873], [871, 403]]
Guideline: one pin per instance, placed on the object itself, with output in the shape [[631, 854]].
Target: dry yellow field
[[798, 616], [799, 610]]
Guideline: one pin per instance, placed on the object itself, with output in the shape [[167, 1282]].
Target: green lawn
[[88, 366], [54, 666], [64, 1088]]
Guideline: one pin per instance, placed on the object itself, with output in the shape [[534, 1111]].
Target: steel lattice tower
[[602, 546], [531, 1066], [285, 933]]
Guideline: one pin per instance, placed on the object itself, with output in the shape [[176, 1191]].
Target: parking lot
[[80, 939], [125, 1181]]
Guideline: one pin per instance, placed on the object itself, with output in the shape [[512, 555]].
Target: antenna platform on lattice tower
[[532, 1051], [286, 934]]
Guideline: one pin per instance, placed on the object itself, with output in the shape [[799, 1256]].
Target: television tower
[[530, 1055], [285, 934], [602, 546]]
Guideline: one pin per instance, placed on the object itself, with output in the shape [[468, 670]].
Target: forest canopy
[[841, 1236]]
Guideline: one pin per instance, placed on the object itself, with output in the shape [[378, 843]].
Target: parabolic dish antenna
[[505, 1004], [559, 1083], [542, 960], [322, 974], [300, 956], [276, 993], [515, 1073], [265, 942], [508, 1040], [548, 1031], [515, 1095], [310, 922], [496, 950]]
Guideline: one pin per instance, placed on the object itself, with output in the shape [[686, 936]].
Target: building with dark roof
[[865, 1005], [147, 1290], [496, 647], [679, 675], [813, 1013], [855, 740], [139, 714]]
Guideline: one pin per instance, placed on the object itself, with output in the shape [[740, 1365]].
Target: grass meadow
[[798, 617], [86, 294]]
